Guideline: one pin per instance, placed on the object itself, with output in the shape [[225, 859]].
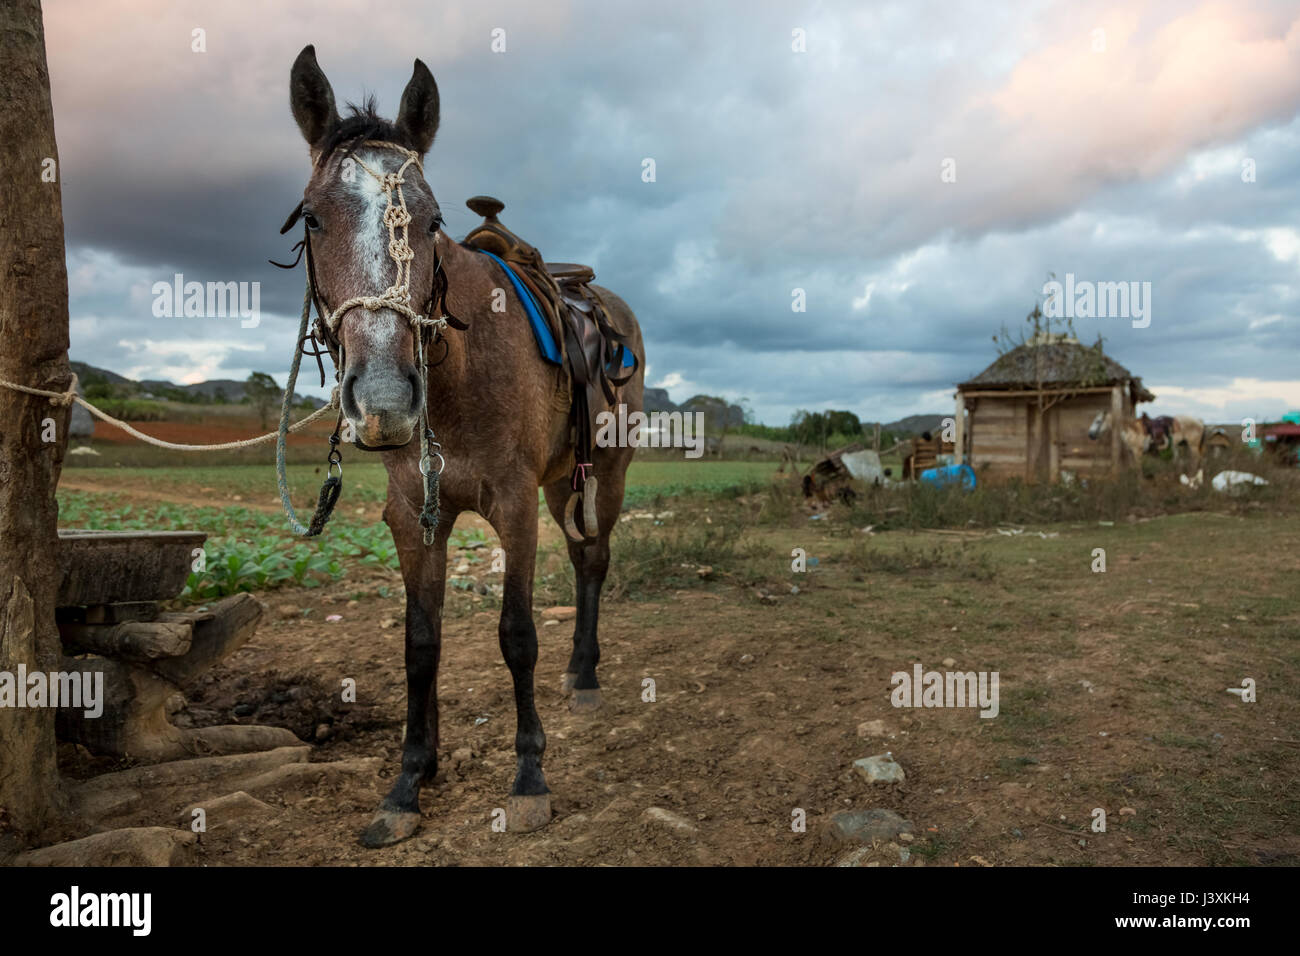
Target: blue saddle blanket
[[546, 343]]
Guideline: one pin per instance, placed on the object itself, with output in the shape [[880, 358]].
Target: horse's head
[[356, 251], [1100, 425]]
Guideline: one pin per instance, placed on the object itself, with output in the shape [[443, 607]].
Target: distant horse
[[1133, 436], [500, 410], [1188, 431], [1160, 429]]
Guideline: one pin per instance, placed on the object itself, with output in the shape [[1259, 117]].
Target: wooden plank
[[1116, 417], [1053, 447], [960, 420]]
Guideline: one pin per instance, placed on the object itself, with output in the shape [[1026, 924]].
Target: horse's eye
[[435, 225], [310, 219]]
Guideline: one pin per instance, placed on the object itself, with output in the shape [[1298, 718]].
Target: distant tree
[[262, 392]]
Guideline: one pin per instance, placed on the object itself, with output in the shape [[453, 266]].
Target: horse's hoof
[[529, 813], [567, 682], [389, 827], [586, 701]]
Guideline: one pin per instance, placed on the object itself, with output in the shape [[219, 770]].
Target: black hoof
[[389, 827], [586, 701]]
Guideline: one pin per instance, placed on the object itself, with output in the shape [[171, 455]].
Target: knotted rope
[[398, 220]]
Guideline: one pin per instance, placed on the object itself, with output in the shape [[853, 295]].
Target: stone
[[287, 612], [559, 613], [880, 769], [872, 728], [864, 826], [668, 819]]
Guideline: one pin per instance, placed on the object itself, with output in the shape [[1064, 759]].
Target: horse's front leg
[[424, 570], [529, 805]]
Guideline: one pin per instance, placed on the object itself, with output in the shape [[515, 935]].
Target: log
[[135, 723], [196, 770], [129, 641], [135, 846]]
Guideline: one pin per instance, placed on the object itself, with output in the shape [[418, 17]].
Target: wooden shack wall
[[1002, 434], [999, 436]]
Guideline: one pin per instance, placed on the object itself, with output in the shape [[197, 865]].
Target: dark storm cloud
[[775, 171]]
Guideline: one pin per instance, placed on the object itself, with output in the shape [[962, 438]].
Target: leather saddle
[[597, 357]]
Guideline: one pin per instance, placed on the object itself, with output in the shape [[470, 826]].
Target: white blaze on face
[[371, 248]]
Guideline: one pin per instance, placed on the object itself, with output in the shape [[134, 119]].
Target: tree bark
[[33, 352]]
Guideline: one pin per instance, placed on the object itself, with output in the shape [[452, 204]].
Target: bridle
[[426, 328]]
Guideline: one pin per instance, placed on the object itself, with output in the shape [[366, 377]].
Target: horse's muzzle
[[383, 407]]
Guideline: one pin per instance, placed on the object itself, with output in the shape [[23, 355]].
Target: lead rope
[[333, 484], [428, 444]]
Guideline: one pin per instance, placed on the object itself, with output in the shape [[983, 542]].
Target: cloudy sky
[[918, 170]]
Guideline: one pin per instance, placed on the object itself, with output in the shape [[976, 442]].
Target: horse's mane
[[362, 122]]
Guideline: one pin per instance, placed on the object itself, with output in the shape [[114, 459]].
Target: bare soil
[[1113, 695]]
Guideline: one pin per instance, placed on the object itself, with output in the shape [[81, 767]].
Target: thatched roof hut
[[1027, 415]]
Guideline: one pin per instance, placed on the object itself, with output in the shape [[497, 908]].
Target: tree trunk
[[33, 352]]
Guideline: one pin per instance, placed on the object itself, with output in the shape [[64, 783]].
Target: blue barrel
[[946, 475]]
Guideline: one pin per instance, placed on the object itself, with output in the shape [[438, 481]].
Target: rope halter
[[398, 220]]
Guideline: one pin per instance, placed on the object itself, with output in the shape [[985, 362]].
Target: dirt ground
[[1113, 695]]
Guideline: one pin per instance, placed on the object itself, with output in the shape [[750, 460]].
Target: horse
[[499, 411], [1160, 429], [1190, 432], [1132, 435]]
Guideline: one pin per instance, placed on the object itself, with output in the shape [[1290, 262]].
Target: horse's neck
[[496, 344]]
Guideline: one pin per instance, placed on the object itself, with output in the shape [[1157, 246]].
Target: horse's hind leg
[[529, 806], [424, 574], [590, 564]]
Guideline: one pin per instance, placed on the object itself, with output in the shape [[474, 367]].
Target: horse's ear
[[419, 113], [311, 98]]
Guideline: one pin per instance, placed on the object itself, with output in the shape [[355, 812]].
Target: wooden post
[[959, 439], [1053, 445], [1116, 423], [34, 330]]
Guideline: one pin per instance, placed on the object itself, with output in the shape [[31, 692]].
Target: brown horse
[[500, 412]]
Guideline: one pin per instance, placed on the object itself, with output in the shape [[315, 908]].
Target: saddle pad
[[546, 343]]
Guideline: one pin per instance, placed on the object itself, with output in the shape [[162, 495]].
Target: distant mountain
[[230, 390], [657, 400]]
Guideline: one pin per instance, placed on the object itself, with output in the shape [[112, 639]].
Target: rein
[[396, 297]]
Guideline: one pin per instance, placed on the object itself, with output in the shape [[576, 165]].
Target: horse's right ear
[[311, 98]]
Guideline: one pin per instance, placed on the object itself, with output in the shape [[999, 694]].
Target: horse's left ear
[[419, 113]]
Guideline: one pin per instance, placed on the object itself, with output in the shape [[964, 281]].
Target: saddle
[[597, 357]]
